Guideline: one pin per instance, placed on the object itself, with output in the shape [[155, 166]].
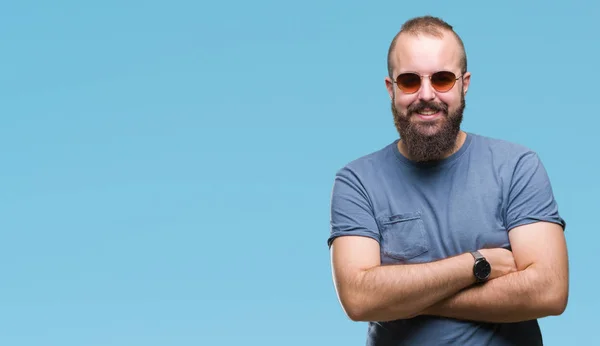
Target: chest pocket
[[403, 236]]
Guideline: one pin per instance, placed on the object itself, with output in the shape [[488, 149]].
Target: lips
[[428, 116], [425, 108], [428, 111]]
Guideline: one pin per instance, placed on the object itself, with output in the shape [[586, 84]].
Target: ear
[[466, 81], [389, 85]]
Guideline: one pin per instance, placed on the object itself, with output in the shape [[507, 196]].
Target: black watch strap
[[477, 255]]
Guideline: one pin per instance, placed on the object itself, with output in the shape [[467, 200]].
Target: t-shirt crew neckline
[[433, 164]]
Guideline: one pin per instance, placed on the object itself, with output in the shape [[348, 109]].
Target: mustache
[[422, 105]]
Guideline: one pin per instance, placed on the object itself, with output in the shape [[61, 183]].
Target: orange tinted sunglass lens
[[443, 81], [409, 82]]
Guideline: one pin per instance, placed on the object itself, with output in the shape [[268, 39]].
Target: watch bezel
[[482, 266]]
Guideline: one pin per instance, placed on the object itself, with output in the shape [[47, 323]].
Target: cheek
[[403, 101], [452, 100]]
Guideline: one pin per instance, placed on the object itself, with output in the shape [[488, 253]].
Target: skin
[[528, 283], [369, 291], [539, 287]]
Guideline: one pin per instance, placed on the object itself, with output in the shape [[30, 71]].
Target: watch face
[[482, 270]]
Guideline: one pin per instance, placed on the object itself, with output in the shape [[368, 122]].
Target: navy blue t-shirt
[[425, 212]]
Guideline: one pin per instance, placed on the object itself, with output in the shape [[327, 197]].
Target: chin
[[429, 128]]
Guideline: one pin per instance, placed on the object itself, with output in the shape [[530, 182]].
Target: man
[[445, 237]]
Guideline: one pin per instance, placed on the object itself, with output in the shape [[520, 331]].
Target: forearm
[[395, 292], [519, 296]]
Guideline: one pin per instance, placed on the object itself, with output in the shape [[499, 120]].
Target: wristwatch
[[482, 268]]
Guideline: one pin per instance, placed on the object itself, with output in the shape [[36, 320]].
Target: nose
[[426, 93]]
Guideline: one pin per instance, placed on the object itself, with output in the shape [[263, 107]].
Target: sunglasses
[[441, 81]]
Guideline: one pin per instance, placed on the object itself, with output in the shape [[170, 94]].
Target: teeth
[[427, 112]]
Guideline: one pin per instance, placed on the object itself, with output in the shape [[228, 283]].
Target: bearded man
[[445, 237]]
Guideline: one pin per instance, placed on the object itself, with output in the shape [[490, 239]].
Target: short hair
[[427, 25]]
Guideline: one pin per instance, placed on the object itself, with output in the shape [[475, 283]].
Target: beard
[[429, 141]]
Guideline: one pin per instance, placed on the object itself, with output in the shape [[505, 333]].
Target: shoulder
[[499, 147], [516, 166], [502, 153], [369, 164]]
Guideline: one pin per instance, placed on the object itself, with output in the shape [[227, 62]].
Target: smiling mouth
[[428, 114], [427, 111]]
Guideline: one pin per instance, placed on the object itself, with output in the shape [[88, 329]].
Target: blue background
[[166, 167]]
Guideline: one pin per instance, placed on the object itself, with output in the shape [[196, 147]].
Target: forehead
[[426, 53]]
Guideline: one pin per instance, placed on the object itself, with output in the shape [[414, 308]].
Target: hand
[[501, 260]]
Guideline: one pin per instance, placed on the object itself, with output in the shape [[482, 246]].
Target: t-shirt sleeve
[[530, 196], [351, 209]]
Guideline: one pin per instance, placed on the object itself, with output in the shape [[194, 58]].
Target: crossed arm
[[371, 292], [539, 288]]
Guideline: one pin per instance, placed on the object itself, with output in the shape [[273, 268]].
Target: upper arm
[[536, 230], [351, 255], [541, 250], [541, 244], [354, 234]]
